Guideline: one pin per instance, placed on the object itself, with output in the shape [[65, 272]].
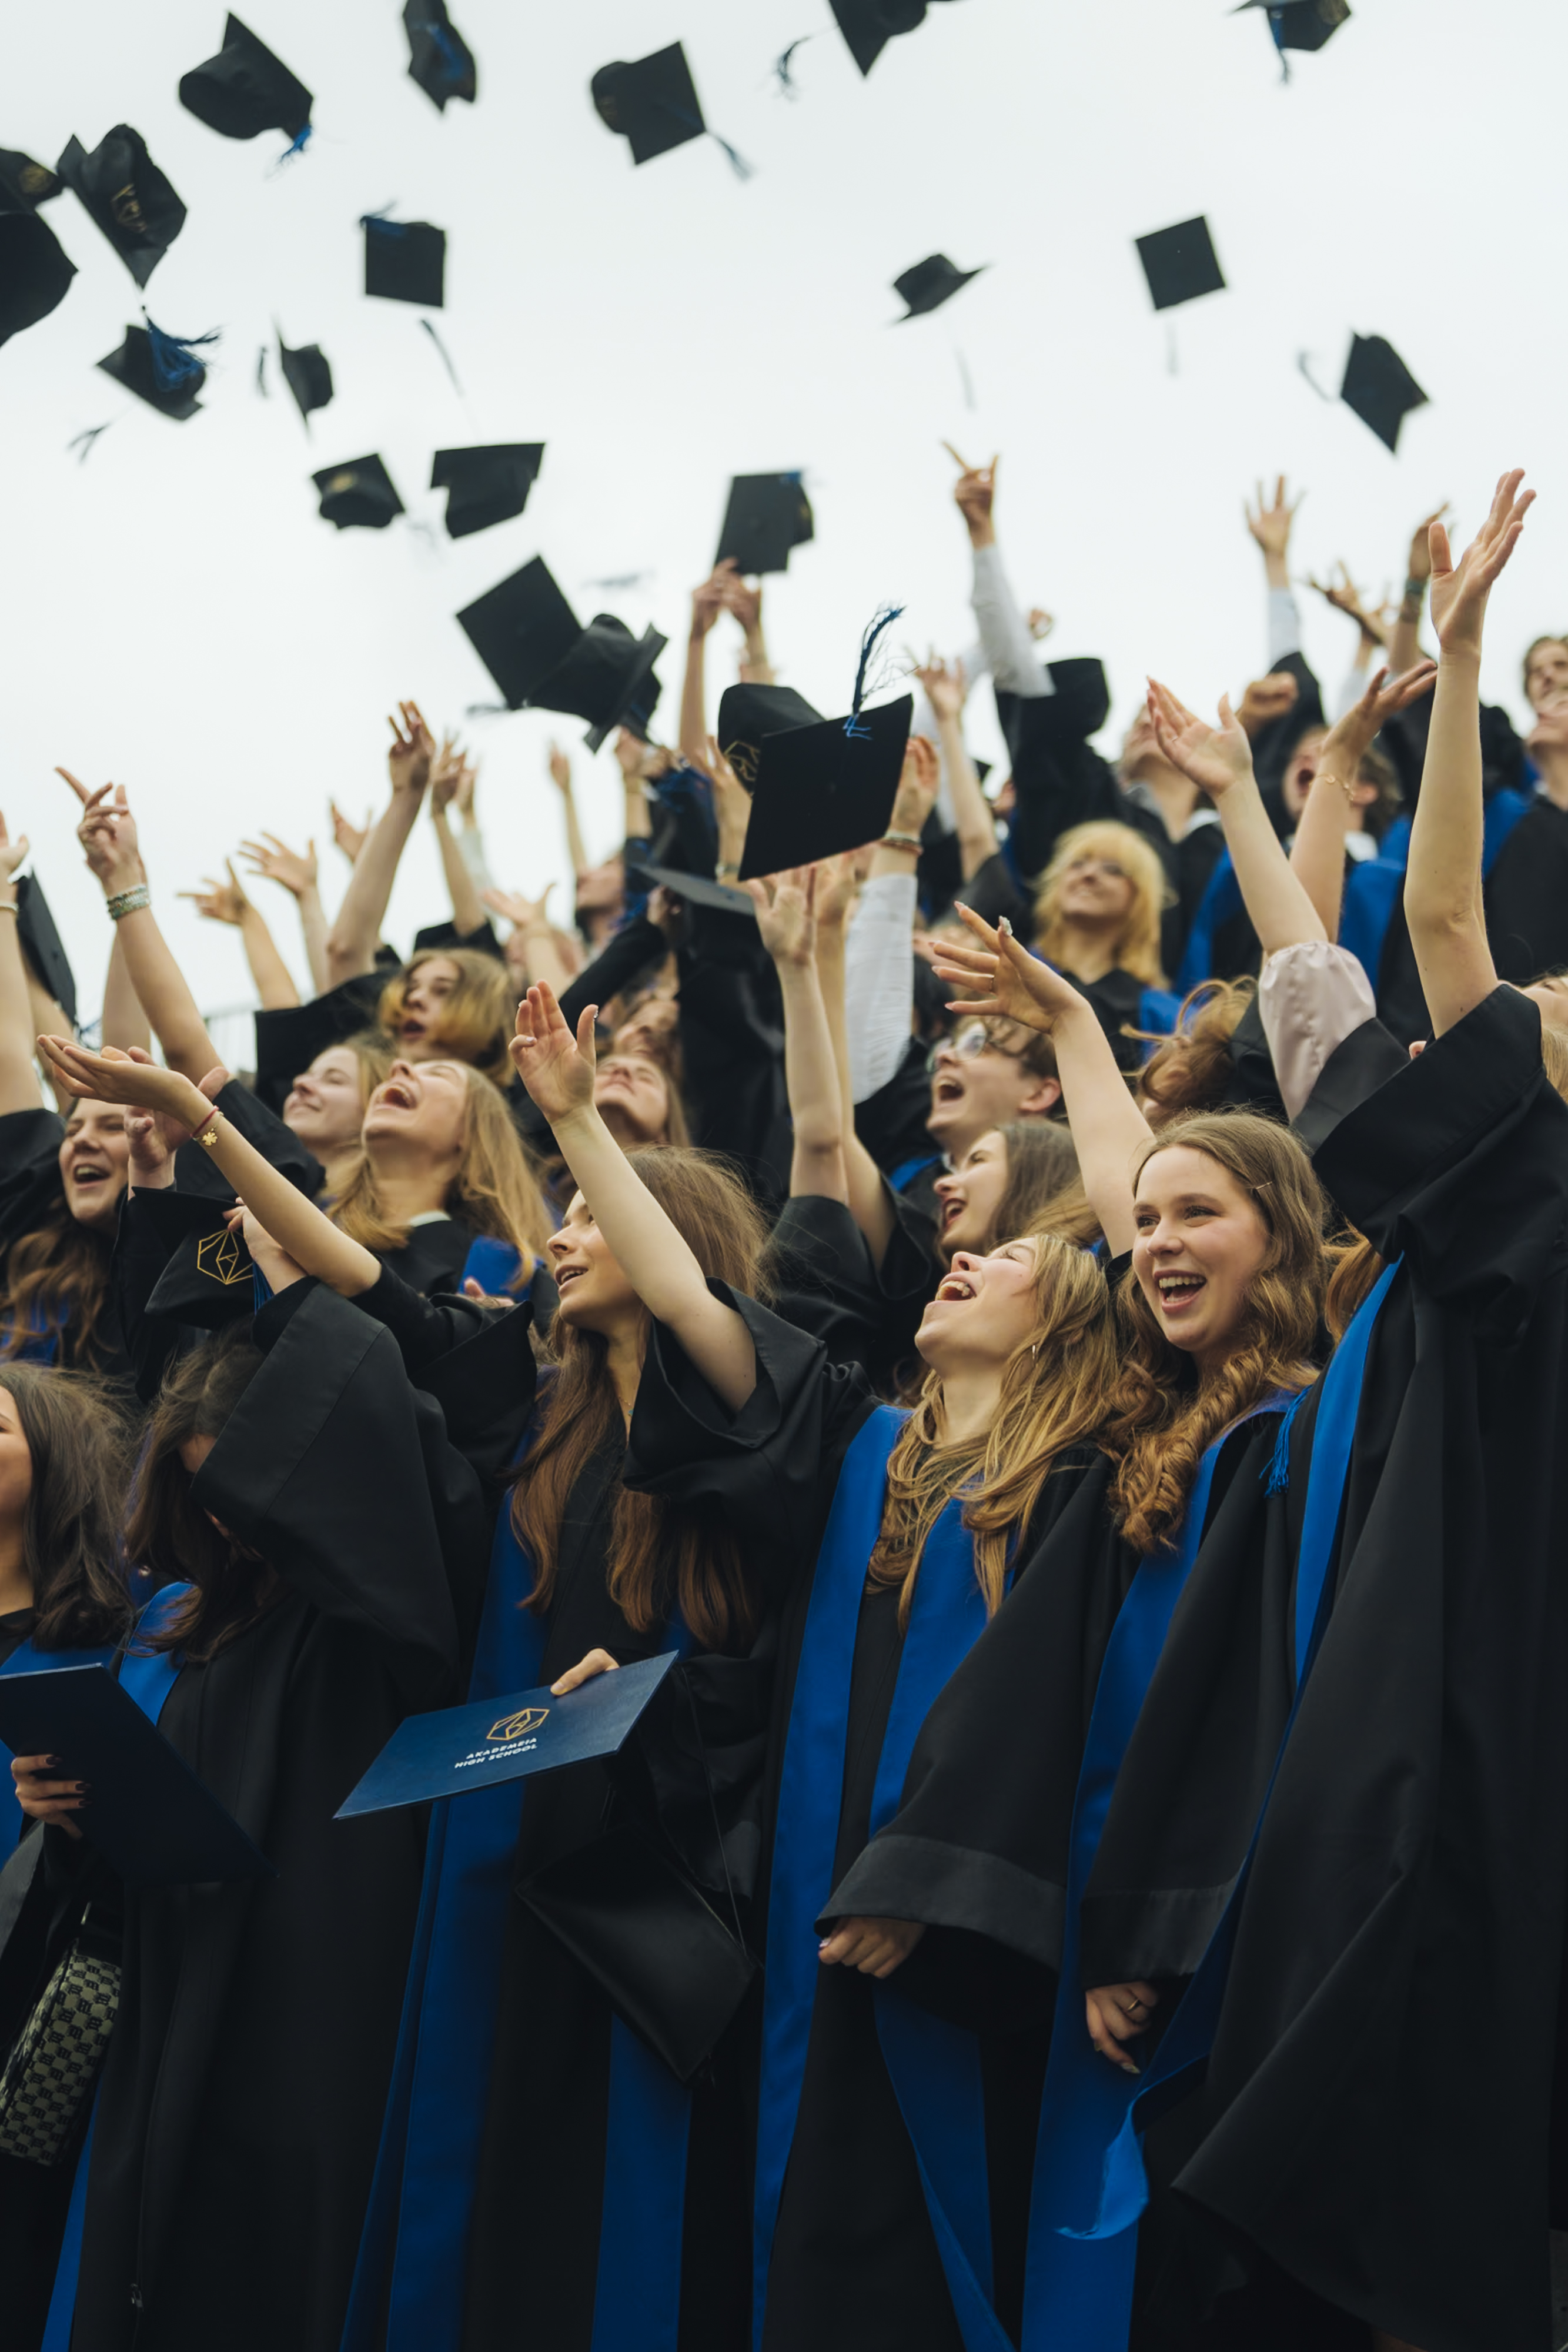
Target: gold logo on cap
[[347, 480], [223, 1257], [514, 1727], [744, 757], [36, 181], [126, 207]]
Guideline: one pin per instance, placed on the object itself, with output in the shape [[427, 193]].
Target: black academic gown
[[241, 2105], [30, 1191], [826, 1284], [1380, 2102]]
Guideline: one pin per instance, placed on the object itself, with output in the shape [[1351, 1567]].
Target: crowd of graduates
[[1056, 1317]]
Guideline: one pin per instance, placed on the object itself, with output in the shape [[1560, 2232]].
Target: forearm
[[756, 666], [471, 845], [274, 980], [1284, 616], [545, 960], [864, 1194], [879, 979], [313, 924], [1442, 883], [694, 716], [1108, 1128], [467, 914], [352, 942], [636, 821], [1405, 637], [1010, 649], [123, 1022], [1275, 897], [811, 1072], [18, 1080], [576, 847], [972, 818], [1317, 853], [164, 995], [294, 1223]]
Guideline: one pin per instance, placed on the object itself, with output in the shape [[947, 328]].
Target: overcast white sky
[[177, 617]]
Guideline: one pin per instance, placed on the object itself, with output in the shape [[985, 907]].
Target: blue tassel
[[174, 356], [876, 627], [300, 142], [451, 55], [445, 356], [381, 224], [1277, 27], [781, 64], [738, 164], [1280, 1463]]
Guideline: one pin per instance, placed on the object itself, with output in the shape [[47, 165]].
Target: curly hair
[[1190, 1069], [1164, 1414]]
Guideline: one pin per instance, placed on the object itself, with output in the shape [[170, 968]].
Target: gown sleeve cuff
[[941, 1886]]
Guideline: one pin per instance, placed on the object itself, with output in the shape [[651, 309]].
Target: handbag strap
[[713, 1808]]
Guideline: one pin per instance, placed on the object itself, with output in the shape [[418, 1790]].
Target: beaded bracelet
[[129, 902]]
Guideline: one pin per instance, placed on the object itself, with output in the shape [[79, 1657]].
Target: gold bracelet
[[209, 1135]]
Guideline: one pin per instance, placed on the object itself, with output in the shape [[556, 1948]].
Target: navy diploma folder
[[147, 1814], [460, 1747]]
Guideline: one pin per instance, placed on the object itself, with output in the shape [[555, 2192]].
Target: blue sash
[[902, 1177], [149, 1681], [934, 2067], [422, 2196], [1089, 2187], [1220, 903]]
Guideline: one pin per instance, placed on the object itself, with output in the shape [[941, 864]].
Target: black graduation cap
[[160, 369], [698, 889], [868, 25], [540, 655], [439, 60], [42, 947], [206, 1280], [34, 270], [1300, 23], [748, 713], [358, 493], [652, 103], [485, 485], [930, 283], [307, 372], [826, 787], [127, 195], [1379, 387], [1180, 263], [405, 261], [244, 89], [768, 515]]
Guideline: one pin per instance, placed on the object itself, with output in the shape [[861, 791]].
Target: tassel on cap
[[1280, 1461], [876, 627], [175, 362], [782, 63]]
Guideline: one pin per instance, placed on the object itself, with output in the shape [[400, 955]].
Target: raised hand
[[712, 598], [1216, 758], [133, 1077], [278, 862], [632, 756], [11, 852], [731, 803], [154, 1137], [838, 881], [446, 775], [745, 601], [1349, 739], [918, 785], [1460, 591], [1264, 701], [1419, 562], [463, 798], [557, 1068], [947, 688], [560, 769], [412, 750], [1269, 523], [350, 838], [1345, 597], [1005, 977], [527, 914], [219, 902], [786, 914], [108, 835], [975, 495]]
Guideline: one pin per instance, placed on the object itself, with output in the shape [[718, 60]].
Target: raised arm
[[1443, 882], [1108, 1128], [1219, 761], [652, 1254], [531, 924], [18, 1079], [560, 777], [746, 603], [707, 602], [107, 836], [1269, 525], [786, 918], [1317, 853], [124, 1023], [1405, 640], [227, 902], [947, 690], [867, 1194], [446, 779], [299, 874], [352, 940], [1006, 638]]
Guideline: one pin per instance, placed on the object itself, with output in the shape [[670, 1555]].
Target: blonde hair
[[1054, 1395], [494, 1188], [1137, 944], [1159, 1422], [474, 1024]]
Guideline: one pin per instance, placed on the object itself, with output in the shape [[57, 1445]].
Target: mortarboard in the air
[[868, 25], [307, 372], [1041, 726], [768, 515], [244, 89], [206, 1279], [827, 788], [163, 370], [697, 889], [652, 103], [541, 657], [358, 493], [748, 713], [42, 946], [34, 270], [1379, 387], [487, 485], [1180, 263], [439, 60], [405, 261], [459, 1749], [930, 283], [127, 195], [148, 1815], [1300, 23]]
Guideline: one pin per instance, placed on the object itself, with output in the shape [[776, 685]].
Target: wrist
[[1276, 570], [982, 533]]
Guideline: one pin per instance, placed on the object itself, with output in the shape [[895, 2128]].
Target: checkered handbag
[[49, 2075]]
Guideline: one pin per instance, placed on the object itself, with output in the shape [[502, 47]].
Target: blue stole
[[935, 2067], [1373, 890], [1089, 2187], [902, 1177], [149, 1681], [1220, 902], [421, 2194]]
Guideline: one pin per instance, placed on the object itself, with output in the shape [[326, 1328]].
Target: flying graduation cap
[[42, 946], [768, 515], [1380, 387], [485, 485], [868, 25], [127, 195], [818, 786], [35, 269], [244, 89], [439, 60], [161, 368], [1300, 23], [307, 372], [541, 657], [747, 713], [930, 283], [1180, 264], [357, 495], [405, 261], [652, 103]]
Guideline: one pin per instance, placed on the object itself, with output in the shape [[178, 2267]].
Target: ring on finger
[[1132, 2007]]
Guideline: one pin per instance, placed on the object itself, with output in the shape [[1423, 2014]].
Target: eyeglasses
[[969, 1043], [1106, 866]]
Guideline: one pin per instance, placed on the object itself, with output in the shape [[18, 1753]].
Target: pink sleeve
[[1311, 997]]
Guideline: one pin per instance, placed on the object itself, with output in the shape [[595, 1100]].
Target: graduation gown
[[240, 2104]]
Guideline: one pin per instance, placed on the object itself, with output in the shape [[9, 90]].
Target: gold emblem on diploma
[[517, 1726]]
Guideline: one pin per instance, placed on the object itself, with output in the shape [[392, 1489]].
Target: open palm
[[1005, 977], [555, 1067], [1460, 591], [1214, 758]]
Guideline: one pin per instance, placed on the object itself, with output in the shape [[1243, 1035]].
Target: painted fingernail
[[82, 1788], [1128, 2067], [1004, 924]]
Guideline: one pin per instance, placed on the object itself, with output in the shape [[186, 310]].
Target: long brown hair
[[78, 1434], [1137, 945], [475, 1023], [1162, 1419], [56, 1286], [167, 1533], [658, 1554], [1191, 1069], [1042, 1162], [1052, 1396], [494, 1188]]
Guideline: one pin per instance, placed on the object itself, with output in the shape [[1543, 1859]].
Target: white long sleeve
[[1015, 666], [879, 981], [471, 842], [1284, 626]]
